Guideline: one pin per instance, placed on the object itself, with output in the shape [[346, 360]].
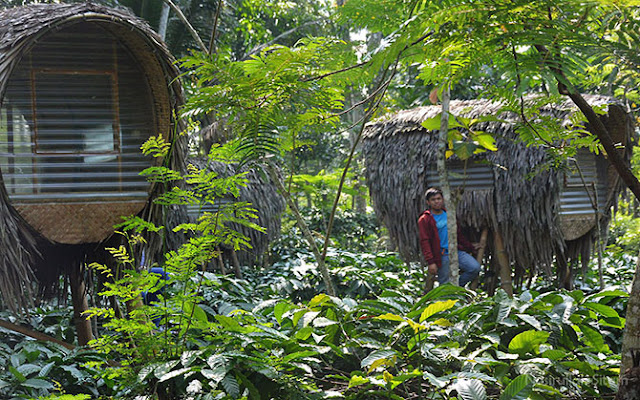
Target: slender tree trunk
[[80, 305], [236, 264], [324, 271], [631, 335], [452, 223]]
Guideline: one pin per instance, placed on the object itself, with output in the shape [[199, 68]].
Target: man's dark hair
[[432, 191]]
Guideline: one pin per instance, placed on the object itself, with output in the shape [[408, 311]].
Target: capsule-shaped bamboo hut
[[82, 86], [541, 214]]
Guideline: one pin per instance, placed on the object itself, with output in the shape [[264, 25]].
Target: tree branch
[[281, 36], [190, 28], [34, 334], [597, 126], [214, 31]]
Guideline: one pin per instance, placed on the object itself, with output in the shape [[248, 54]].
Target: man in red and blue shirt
[[434, 242]]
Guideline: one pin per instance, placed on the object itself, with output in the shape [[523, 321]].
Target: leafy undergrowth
[[379, 340]]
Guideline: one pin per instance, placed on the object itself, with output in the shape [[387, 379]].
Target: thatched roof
[[20, 29], [263, 196], [400, 155]]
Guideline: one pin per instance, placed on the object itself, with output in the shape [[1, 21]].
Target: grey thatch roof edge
[[20, 29], [398, 151]]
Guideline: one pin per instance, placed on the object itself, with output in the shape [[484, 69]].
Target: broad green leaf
[[530, 320], [594, 338], [37, 383], [358, 380], [602, 309], [433, 124], [444, 291], [280, 309], [192, 309], [486, 141], [554, 354], [229, 323], [173, 374], [319, 300], [308, 317], [304, 333], [436, 381], [436, 307], [216, 374], [582, 366], [464, 150], [518, 389], [46, 369], [321, 322], [17, 374], [164, 368], [299, 354], [607, 293], [470, 389], [377, 355], [231, 386], [527, 341], [390, 317], [28, 369], [612, 322]]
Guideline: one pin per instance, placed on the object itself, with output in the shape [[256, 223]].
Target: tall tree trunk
[[164, 21], [631, 335], [452, 222]]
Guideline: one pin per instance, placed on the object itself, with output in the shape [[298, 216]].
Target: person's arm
[[425, 241], [464, 243]]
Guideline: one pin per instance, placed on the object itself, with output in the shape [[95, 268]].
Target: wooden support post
[[504, 266], [80, 304], [482, 245], [236, 264]]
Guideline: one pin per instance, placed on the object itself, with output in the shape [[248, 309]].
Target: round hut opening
[[76, 109]]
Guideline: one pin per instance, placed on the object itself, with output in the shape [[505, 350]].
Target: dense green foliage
[[276, 334]]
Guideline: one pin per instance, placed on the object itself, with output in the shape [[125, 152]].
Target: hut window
[[75, 112], [71, 119]]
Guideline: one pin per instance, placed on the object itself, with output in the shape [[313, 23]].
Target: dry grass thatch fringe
[[399, 154], [20, 29]]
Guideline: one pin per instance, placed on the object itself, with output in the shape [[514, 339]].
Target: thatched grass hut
[[542, 213], [82, 86]]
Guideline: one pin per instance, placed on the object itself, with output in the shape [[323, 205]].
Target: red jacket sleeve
[[426, 236], [464, 243]]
